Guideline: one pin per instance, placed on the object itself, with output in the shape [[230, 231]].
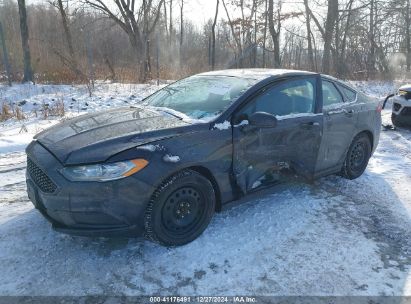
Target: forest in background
[[78, 41]]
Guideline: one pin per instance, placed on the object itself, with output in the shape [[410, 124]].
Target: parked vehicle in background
[[162, 167], [401, 107]]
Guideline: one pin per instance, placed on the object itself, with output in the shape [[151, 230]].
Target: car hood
[[406, 88], [95, 137]]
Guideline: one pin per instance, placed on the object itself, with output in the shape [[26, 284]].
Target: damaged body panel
[[203, 141]]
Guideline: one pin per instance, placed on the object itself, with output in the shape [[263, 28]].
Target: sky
[[200, 11]]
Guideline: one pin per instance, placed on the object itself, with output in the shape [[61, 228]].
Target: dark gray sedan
[[162, 167]]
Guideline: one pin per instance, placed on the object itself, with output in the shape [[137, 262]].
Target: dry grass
[[56, 109], [6, 112], [18, 113]]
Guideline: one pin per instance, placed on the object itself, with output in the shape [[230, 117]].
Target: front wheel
[[357, 157], [180, 209]]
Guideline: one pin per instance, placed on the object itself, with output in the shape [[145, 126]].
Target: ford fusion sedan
[[162, 167]]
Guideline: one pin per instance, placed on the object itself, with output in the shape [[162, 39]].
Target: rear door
[[340, 117], [261, 152]]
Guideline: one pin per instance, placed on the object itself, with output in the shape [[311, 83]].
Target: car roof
[[257, 73]]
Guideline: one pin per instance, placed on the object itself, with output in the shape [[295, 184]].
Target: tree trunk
[[255, 34], [181, 31], [265, 32], [5, 55], [236, 39], [371, 56], [171, 21], [213, 37], [68, 36], [24, 30], [332, 15], [275, 35], [341, 64], [310, 46], [408, 38], [165, 17]]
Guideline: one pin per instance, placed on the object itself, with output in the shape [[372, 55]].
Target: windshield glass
[[199, 97]]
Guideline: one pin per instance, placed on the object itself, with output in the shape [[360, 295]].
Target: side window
[[330, 94], [289, 97], [349, 94]]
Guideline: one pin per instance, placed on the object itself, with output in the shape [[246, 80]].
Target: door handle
[[348, 112], [309, 125]]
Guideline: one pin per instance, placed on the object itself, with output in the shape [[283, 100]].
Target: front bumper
[[114, 208], [401, 110]]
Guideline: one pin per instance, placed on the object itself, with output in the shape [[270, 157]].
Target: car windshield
[[199, 97]]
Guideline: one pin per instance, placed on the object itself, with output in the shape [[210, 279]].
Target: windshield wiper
[[207, 114], [170, 113]]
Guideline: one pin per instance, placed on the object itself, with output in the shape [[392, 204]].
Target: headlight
[[104, 172], [402, 93]]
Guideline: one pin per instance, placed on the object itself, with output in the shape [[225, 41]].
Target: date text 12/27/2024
[[202, 299]]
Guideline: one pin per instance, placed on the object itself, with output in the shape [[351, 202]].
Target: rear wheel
[[357, 157], [180, 209]]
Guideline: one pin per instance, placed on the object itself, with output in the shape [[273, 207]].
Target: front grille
[[396, 106], [406, 111], [40, 178]]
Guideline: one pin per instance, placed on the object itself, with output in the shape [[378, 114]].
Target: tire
[[357, 157], [180, 209], [395, 121]]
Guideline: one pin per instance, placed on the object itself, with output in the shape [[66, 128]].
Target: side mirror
[[262, 120]]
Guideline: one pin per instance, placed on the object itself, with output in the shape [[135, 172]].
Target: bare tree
[[265, 32], [170, 27], [407, 34], [332, 15], [275, 32], [181, 30], [371, 37], [137, 22], [235, 37], [213, 37], [309, 35], [5, 55], [24, 30], [342, 45], [72, 60]]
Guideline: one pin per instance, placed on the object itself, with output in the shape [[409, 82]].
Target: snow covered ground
[[332, 237]]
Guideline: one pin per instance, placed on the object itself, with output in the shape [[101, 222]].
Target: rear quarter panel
[[369, 119]]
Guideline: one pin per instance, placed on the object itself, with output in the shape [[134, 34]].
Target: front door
[[260, 153]]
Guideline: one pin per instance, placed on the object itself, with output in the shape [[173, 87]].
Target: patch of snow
[[223, 125], [242, 123], [296, 115], [150, 148], [256, 184], [171, 158]]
